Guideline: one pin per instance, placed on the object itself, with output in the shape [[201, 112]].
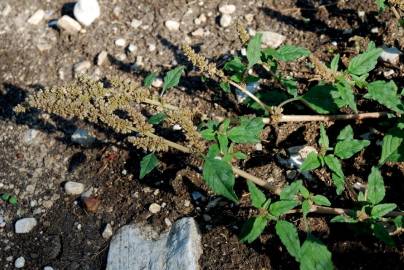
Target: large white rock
[[172, 25], [86, 11], [25, 225], [139, 247], [73, 188], [272, 39]]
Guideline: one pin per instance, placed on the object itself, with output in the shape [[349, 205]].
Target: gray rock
[[20, 262], [272, 39], [73, 188], [107, 233], [391, 55], [82, 137], [69, 24], [81, 67], [48, 268], [25, 225], [101, 57], [138, 247]]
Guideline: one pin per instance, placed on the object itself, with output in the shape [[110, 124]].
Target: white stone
[[107, 233], [139, 247], [177, 127], [391, 55], [227, 9], [258, 147], [361, 13], [200, 20], [198, 32], [73, 188], [136, 23], [101, 57], [249, 18], [272, 39], [25, 225], [19, 263], [152, 47], [225, 20], [120, 42], [48, 268], [154, 208], [388, 73], [69, 24], [81, 67], [37, 17], [172, 25], [374, 30], [157, 83], [299, 153], [86, 11], [132, 48], [168, 222]]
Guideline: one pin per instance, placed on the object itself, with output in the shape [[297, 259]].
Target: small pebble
[[154, 208], [198, 32], [136, 23], [152, 47], [101, 57], [19, 263], [272, 39], [82, 67], [48, 268], [91, 203], [258, 147], [374, 30], [132, 48], [172, 25], [177, 127], [86, 11], [168, 222], [73, 188], [120, 42], [391, 55], [249, 18], [225, 20], [69, 24], [37, 17], [227, 9], [25, 225], [200, 20], [107, 233], [157, 83], [388, 73]]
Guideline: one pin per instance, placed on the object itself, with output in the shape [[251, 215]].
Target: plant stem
[[249, 94], [337, 117], [288, 101]]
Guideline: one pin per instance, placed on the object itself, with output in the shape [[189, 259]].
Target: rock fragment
[[227, 9], [81, 67], [107, 233], [154, 208], [73, 188], [68, 24], [391, 55], [272, 39], [225, 20], [25, 225], [101, 57], [86, 11], [20, 262], [172, 25], [37, 17]]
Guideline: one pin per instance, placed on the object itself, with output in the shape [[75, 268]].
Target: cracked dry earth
[[38, 155]]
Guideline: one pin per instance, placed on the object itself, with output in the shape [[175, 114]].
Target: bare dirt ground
[[38, 156]]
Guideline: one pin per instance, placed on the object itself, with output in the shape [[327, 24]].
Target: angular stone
[[138, 247], [227, 9], [81, 67], [25, 225], [225, 20], [391, 55], [272, 39], [69, 24], [101, 57], [37, 17], [172, 25], [73, 188], [86, 11]]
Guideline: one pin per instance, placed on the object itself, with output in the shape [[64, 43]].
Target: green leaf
[[381, 5], [254, 50], [225, 86], [381, 233], [253, 228], [157, 118], [386, 94], [348, 148], [149, 79], [223, 143], [5, 196], [399, 221], [219, 176], [281, 207], [257, 196], [365, 62], [172, 78], [346, 134], [287, 232], [304, 191], [380, 210], [311, 162], [291, 86], [289, 192], [360, 81], [320, 99], [321, 200], [346, 94], [376, 189], [343, 219], [337, 174], [334, 63], [315, 255], [288, 53], [324, 142], [249, 130], [306, 206], [208, 134], [393, 145], [148, 163], [213, 151], [13, 200], [235, 66]]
